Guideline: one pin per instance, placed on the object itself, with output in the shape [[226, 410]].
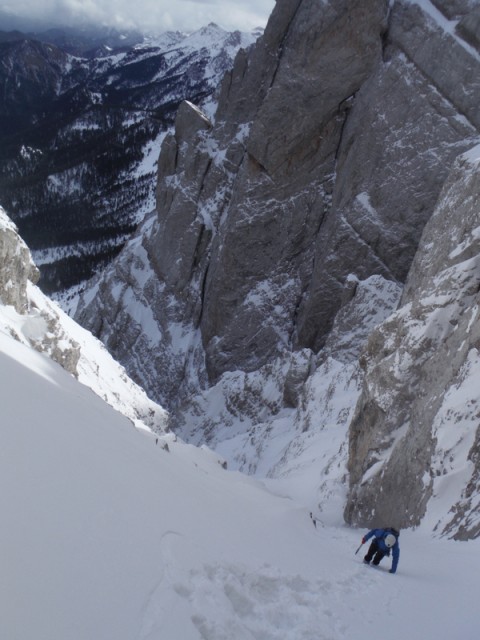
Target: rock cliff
[[331, 143], [414, 440], [18, 267]]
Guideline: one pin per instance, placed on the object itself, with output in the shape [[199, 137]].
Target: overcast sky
[[158, 15]]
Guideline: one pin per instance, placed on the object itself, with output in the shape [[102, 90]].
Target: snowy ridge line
[[52, 254]]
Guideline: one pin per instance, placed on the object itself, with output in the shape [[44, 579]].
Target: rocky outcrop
[[455, 9], [414, 439], [469, 27], [18, 267], [17, 274]]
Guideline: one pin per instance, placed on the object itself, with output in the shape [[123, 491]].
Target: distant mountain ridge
[[90, 41], [79, 136]]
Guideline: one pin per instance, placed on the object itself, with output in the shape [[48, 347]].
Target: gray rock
[[17, 266], [266, 240], [418, 409], [301, 367], [371, 301], [331, 142], [16, 272], [401, 136], [443, 59]]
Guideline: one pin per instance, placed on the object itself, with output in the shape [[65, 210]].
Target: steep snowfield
[[96, 368], [105, 534], [35, 321]]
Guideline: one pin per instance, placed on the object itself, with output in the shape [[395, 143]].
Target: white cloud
[[158, 15]]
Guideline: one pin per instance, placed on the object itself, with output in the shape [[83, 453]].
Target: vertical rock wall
[[331, 143], [414, 438], [332, 139]]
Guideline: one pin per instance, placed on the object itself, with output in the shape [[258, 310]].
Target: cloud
[[156, 15]]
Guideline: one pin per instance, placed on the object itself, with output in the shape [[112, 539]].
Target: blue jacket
[[380, 537]]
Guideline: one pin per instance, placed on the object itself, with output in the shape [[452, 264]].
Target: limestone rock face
[[454, 9], [17, 274], [266, 240], [17, 266], [332, 139], [406, 125], [240, 203], [417, 421]]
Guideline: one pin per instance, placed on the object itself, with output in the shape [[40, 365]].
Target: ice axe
[[361, 545]]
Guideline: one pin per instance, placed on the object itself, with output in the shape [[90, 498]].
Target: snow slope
[[34, 320], [106, 534]]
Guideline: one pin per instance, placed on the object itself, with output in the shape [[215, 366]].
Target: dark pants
[[375, 553]]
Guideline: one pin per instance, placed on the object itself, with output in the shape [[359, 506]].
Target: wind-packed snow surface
[[106, 534]]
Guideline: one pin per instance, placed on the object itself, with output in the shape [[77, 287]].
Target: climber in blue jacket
[[384, 541]]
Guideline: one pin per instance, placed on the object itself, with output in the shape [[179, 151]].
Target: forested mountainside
[[245, 302], [81, 120]]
